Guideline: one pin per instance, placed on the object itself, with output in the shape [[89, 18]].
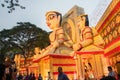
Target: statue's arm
[[59, 38], [87, 37]]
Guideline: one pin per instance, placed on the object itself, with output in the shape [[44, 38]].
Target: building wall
[[51, 62], [109, 29]]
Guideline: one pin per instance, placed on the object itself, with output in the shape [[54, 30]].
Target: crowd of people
[[9, 74], [30, 76]]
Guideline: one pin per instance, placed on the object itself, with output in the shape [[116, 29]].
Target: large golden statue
[[86, 36], [62, 43], [57, 36]]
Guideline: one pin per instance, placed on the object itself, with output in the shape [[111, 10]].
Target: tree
[[2, 50], [11, 5], [3, 45], [23, 38]]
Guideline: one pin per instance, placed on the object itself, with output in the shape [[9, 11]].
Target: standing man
[[111, 72], [61, 75], [40, 77], [49, 76], [2, 71]]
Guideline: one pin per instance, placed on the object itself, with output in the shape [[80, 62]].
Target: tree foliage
[[23, 38], [11, 5]]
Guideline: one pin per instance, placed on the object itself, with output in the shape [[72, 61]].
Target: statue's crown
[[50, 12], [82, 15]]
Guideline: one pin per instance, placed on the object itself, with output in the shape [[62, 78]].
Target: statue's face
[[52, 20], [81, 21]]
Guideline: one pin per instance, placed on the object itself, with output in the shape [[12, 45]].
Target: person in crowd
[[49, 76], [61, 75], [20, 77], [26, 77], [8, 73], [40, 77], [118, 76], [111, 72], [2, 71], [33, 77], [86, 75], [30, 76], [108, 78], [14, 71]]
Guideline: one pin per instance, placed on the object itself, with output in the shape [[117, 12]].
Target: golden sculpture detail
[[57, 36], [61, 37], [88, 38], [85, 32]]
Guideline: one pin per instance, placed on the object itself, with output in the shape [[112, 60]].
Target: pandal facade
[[109, 29], [103, 52]]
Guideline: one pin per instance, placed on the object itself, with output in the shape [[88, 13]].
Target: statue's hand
[[55, 44], [77, 47], [42, 51]]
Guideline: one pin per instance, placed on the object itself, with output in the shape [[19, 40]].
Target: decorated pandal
[[74, 56], [76, 47]]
